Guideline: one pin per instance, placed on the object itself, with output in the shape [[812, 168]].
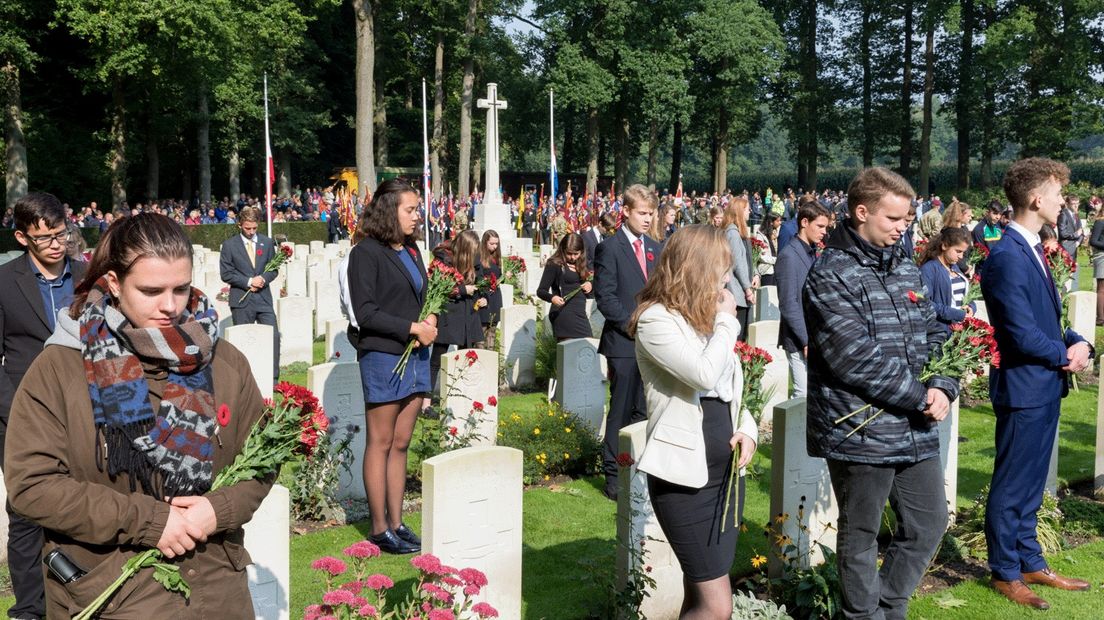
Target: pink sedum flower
[[484, 610], [363, 549], [339, 597], [329, 564], [378, 582]]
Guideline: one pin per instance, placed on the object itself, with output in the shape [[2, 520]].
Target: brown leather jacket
[[99, 523]]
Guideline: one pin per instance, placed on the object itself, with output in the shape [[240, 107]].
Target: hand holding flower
[[746, 447], [938, 405], [587, 286]]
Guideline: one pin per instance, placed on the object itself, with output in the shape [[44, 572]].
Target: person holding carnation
[[944, 282], [460, 322], [491, 255], [126, 464], [686, 330], [564, 272], [387, 283]]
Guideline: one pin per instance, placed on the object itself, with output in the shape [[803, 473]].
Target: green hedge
[[209, 236]]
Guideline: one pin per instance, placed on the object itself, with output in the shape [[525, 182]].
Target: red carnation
[[472, 357], [453, 430], [477, 406], [286, 249], [625, 460], [492, 400]]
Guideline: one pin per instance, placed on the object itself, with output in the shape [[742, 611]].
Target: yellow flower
[[743, 527], [551, 414], [536, 430], [567, 455], [567, 429], [546, 477], [515, 418], [757, 561], [782, 517]]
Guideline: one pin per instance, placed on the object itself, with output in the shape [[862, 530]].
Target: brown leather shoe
[[1048, 577], [1019, 593]]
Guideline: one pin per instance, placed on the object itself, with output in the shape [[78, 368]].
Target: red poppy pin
[[651, 257], [914, 297], [413, 253], [223, 414], [260, 251]]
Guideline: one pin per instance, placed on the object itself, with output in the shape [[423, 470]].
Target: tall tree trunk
[[283, 171], [477, 173], [621, 149], [593, 139], [929, 87], [203, 145], [720, 153], [676, 157], [988, 133], [379, 120], [15, 145], [906, 95], [365, 94], [867, 84], [437, 143], [153, 162], [653, 152], [802, 162], [811, 88], [466, 88], [603, 148], [118, 162], [235, 170], [962, 94]]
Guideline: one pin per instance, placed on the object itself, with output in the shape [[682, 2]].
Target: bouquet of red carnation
[[486, 285], [918, 250], [223, 294], [973, 292], [753, 399], [277, 261], [758, 246], [970, 346], [444, 282], [1061, 266], [290, 425], [512, 266], [979, 254]]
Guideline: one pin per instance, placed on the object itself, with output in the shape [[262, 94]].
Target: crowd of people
[[871, 282]]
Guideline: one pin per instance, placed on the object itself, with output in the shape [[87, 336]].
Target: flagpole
[[268, 165], [552, 146], [425, 162]]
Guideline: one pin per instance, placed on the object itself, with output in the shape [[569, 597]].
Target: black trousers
[[916, 494], [626, 406], [25, 542], [264, 316]]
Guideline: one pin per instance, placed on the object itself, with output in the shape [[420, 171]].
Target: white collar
[[1032, 238], [629, 235]]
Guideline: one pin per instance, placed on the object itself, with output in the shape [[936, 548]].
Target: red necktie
[[638, 245]]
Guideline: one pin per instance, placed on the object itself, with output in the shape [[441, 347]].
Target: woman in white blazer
[[686, 329]]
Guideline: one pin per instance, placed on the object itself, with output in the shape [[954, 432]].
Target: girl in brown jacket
[[123, 460]]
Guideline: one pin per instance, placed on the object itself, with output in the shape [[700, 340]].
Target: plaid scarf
[[169, 453]]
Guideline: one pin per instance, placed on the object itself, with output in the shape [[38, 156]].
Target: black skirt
[[691, 518], [570, 320]]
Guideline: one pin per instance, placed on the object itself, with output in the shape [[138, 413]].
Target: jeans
[[798, 371], [915, 492]]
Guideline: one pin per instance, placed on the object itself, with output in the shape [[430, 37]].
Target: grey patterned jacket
[[868, 343]]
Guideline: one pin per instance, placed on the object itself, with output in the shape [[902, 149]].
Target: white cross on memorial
[[493, 104]]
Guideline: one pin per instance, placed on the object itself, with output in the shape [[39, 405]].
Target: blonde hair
[[681, 284], [954, 213], [638, 196], [734, 214]]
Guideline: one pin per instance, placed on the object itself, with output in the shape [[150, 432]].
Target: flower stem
[[865, 422], [132, 567], [857, 411], [733, 473]]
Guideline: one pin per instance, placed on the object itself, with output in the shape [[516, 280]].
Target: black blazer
[[617, 280], [236, 270], [24, 326], [384, 297], [490, 313], [460, 324], [591, 239], [552, 283]]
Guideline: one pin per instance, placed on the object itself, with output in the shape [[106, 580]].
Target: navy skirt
[[382, 385]]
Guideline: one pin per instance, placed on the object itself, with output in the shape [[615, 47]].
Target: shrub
[[314, 485], [546, 353], [1082, 517], [746, 607], [555, 442], [970, 530], [978, 389]]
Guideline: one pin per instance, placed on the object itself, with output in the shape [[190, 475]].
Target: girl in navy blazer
[[491, 255], [944, 282], [387, 282], [460, 323]]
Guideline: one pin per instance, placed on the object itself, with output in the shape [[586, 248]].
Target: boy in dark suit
[[622, 264], [36, 286], [1028, 387], [242, 260]]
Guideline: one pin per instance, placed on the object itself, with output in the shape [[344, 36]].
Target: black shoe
[[408, 535], [388, 542], [610, 493]]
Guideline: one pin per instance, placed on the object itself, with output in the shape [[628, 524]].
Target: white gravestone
[[317, 247], [3, 514], [532, 276], [255, 342], [338, 347], [580, 384], [344, 245], [338, 388], [776, 384], [519, 344], [463, 384], [222, 309], [799, 480], [545, 250], [522, 246], [764, 334], [296, 340], [1081, 310], [507, 291], [1098, 471], [597, 319], [636, 526], [302, 250], [315, 274], [472, 517], [296, 278], [266, 540], [1052, 470], [766, 304], [948, 457], [327, 305]]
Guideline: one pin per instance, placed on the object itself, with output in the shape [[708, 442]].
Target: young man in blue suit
[[1028, 387], [622, 264], [242, 260]]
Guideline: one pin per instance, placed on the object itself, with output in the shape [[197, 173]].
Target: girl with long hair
[[491, 255], [90, 463], [944, 282], [460, 324], [685, 329], [741, 285], [564, 272], [768, 235], [387, 282]]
